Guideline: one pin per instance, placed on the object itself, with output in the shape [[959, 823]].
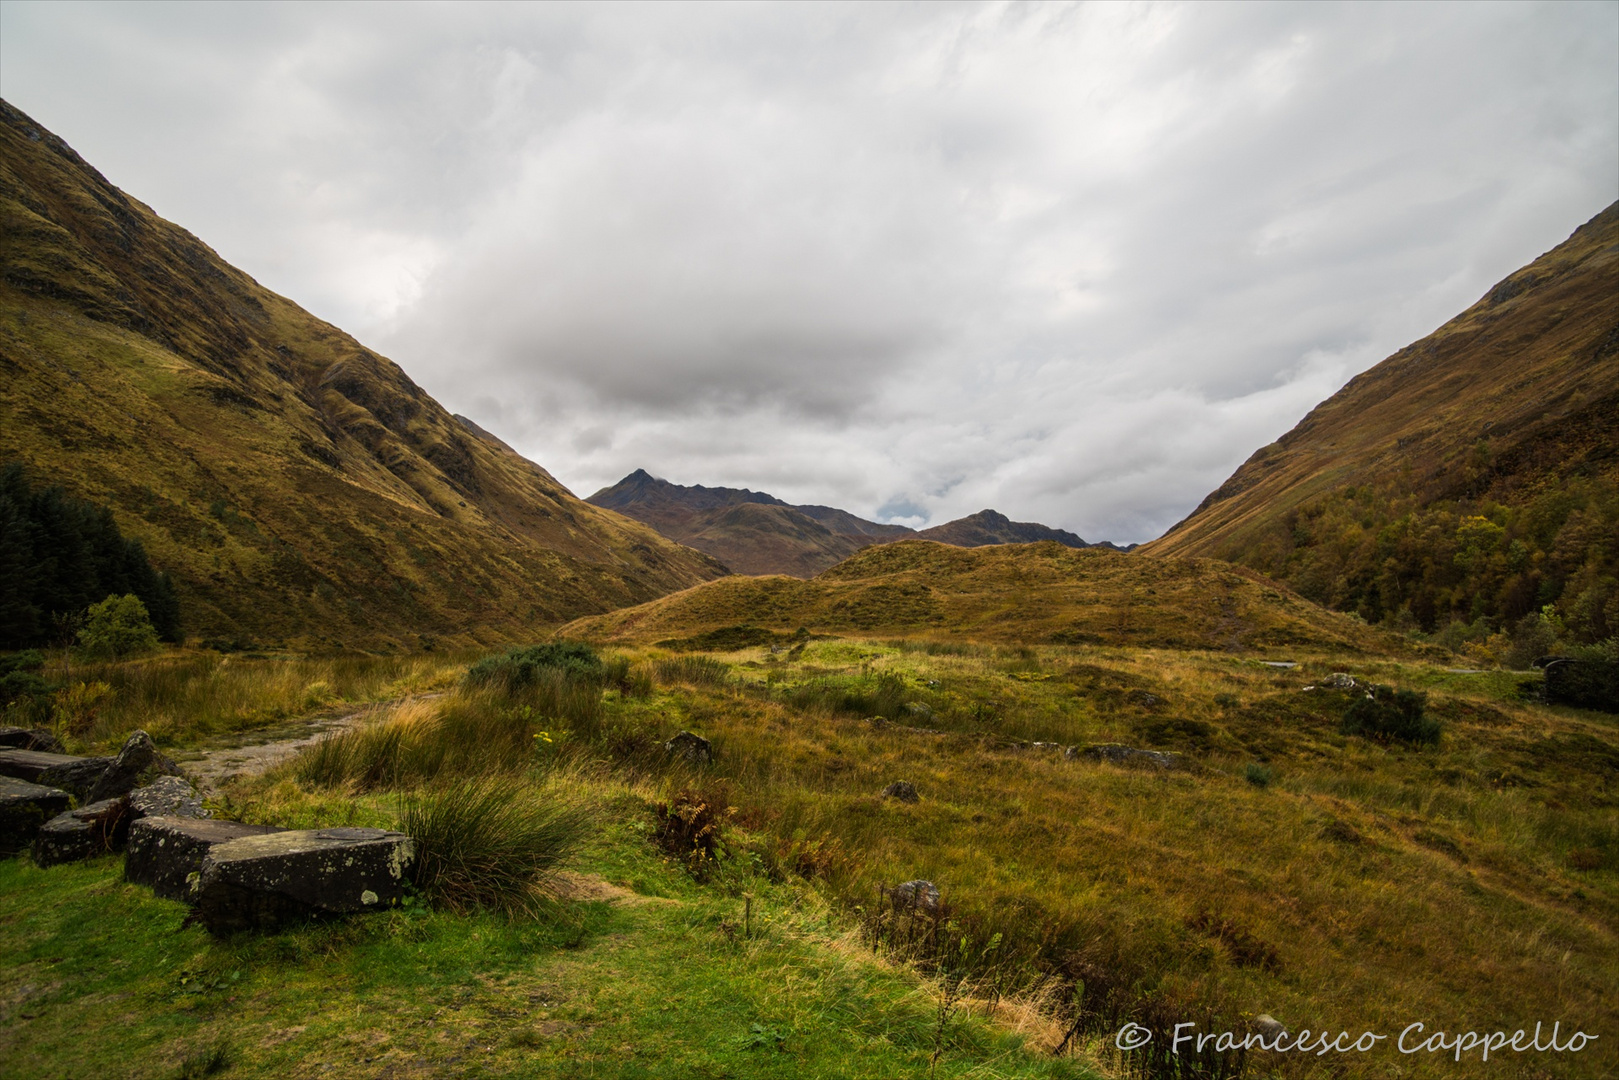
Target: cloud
[[1074, 262]]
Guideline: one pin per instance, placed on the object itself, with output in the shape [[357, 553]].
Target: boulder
[[903, 790], [1269, 1027], [1118, 754], [24, 808], [692, 749], [98, 829], [17, 738], [262, 882], [1340, 680], [138, 761], [165, 852], [916, 895], [167, 796]]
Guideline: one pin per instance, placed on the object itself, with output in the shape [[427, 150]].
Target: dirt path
[[252, 752]]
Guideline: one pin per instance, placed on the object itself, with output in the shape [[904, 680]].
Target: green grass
[[98, 978]]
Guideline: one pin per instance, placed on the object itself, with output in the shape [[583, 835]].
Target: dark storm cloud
[[1072, 262]]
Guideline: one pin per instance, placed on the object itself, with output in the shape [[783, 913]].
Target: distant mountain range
[[755, 533], [299, 488]]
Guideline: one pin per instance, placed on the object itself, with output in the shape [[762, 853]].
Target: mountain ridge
[[753, 532], [299, 487]]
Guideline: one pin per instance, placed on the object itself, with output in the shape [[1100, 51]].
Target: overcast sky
[[1071, 262]]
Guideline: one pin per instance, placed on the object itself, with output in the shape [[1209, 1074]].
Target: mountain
[[1472, 477], [1025, 593], [755, 533], [298, 487], [749, 531], [988, 527]]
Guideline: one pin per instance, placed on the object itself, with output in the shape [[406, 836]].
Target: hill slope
[[297, 486], [1028, 593], [755, 533], [1473, 475]]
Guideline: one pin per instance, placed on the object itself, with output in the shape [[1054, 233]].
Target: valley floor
[[1278, 866]]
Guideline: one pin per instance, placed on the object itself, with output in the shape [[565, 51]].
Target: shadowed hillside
[[297, 486], [1030, 593], [1472, 476]]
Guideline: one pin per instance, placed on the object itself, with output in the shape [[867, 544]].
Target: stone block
[[262, 882], [164, 852], [98, 829], [24, 809]]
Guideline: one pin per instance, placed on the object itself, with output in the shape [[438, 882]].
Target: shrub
[[1258, 775], [491, 842], [74, 708], [517, 669], [1385, 714], [117, 627], [19, 677]]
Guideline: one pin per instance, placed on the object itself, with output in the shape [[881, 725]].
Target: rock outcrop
[[138, 761], [690, 748]]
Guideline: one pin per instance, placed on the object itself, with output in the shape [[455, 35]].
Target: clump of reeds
[[491, 842]]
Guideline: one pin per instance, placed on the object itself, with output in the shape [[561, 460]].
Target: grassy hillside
[[1030, 593], [1472, 476], [298, 487]]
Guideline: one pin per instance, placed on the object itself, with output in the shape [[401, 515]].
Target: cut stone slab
[[262, 882], [165, 852], [18, 738], [167, 796], [138, 761], [24, 808], [74, 775], [30, 765], [97, 829]]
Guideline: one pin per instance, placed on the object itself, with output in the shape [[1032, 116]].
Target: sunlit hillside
[[298, 487], [1025, 593]]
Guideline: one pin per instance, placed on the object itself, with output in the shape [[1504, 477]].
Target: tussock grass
[[469, 733], [692, 671], [184, 696], [492, 842]]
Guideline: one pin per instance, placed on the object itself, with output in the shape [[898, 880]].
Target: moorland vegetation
[[1449, 856]]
